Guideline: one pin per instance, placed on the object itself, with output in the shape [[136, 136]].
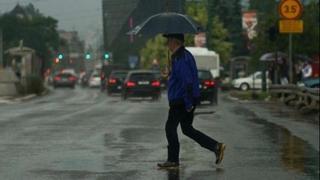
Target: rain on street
[[85, 134]]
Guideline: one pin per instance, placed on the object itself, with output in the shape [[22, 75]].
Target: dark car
[[64, 80], [106, 71], [208, 87], [115, 81], [141, 83]]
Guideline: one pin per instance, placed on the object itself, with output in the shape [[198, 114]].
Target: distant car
[[115, 81], [253, 81], [94, 80], [208, 86], [64, 80], [141, 83]]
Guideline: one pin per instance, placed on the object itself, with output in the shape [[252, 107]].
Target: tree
[[230, 13], [306, 43], [218, 41], [198, 11], [155, 49], [36, 30]]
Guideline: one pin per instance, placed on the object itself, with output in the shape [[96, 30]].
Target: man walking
[[183, 95]]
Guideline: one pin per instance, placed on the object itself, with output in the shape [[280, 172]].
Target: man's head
[[174, 41]]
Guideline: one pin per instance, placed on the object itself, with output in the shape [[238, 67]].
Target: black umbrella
[[167, 23], [272, 56]]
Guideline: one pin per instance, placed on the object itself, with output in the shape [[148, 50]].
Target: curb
[[25, 98], [12, 100]]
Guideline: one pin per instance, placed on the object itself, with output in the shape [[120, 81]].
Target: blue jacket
[[183, 84]]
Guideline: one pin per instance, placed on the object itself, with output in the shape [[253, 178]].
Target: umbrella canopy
[[272, 56], [167, 23]]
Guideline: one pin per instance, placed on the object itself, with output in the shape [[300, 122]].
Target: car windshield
[[142, 77], [204, 75], [120, 75]]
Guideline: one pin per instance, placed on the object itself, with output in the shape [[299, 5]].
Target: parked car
[[64, 80], [208, 86], [141, 83], [115, 81], [94, 80], [253, 81]]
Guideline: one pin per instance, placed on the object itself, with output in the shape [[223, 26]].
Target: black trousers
[[180, 115]]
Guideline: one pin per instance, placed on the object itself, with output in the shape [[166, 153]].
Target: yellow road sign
[[290, 9], [291, 26]]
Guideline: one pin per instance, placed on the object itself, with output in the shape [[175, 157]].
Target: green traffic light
[[60, 56], [88, 56], [106, 56]]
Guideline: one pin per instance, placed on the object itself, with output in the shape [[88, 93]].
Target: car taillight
[[130, 84], [112, 81], [57, 78], [72, 78], [155, 84], [209, 83]]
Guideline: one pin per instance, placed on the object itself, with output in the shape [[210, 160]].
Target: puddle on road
[[295, 154]]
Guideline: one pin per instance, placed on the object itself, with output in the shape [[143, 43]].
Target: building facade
[[72, 50]]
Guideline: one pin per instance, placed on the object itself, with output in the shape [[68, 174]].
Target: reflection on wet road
[[295, 154], [83, 134]]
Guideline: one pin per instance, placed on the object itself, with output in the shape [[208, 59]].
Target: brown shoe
[[220, 152], [168, 164]]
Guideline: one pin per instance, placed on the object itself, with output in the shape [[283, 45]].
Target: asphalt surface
[[83, 134]]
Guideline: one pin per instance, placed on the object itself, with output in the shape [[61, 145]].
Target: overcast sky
[[84, 16]]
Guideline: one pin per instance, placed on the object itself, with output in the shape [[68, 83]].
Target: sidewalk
[[305, 127], [13, 100], [18, 99]]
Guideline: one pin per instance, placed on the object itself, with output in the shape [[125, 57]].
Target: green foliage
[[218, 41], [37, 31], [250, 95], [34, 85], [199, 12], [217, 34], [229, 13], [155, 49]]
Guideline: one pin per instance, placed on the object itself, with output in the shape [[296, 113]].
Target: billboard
[[249, 23]]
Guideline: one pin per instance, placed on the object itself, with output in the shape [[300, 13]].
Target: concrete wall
[[8, 82]]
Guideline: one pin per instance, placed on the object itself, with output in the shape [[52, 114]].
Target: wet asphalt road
[[83, 134]]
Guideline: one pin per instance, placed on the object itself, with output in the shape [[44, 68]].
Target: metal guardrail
[[302, 98]]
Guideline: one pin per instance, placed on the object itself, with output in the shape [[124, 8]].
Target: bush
[[34, 85], [250, 95]]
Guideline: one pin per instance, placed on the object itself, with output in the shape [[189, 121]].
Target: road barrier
[[302, 98]]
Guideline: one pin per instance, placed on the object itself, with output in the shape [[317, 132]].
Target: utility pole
[[290, 60], [1, 50]]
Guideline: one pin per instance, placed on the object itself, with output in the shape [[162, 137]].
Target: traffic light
[[106, 56], [60, 56], [88, 56]]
